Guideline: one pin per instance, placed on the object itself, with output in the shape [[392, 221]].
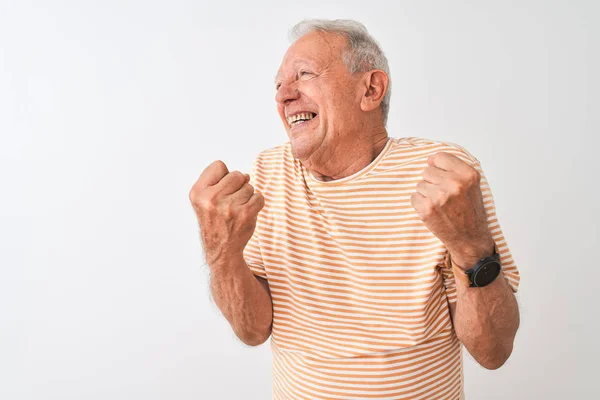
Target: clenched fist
[[227, 207], [449, 202]]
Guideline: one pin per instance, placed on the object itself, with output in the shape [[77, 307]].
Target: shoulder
[[272, 163], [273, 157], [274, 152], [427, 147]]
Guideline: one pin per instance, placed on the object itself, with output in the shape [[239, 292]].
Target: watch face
[[486, 274]]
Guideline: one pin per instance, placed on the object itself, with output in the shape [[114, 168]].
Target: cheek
[[310, 92]]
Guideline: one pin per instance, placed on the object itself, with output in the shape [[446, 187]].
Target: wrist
[[468, 256], [225, 260], [481, 273]]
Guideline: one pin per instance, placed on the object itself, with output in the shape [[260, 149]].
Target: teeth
[[300, 117]]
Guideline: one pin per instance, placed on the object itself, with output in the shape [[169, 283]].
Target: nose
[[286, 93]]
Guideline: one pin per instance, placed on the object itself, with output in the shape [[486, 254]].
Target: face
[[318, 100]]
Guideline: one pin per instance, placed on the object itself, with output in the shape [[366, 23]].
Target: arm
[[227, 207], [450, 203], [244, 299], [485, 319]]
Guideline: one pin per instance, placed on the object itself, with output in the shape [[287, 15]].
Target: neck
[[348, 158]]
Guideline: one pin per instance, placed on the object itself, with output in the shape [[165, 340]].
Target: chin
[[301, 148], [305, 143]]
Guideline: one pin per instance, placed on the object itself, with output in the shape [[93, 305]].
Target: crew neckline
[[372, 165]]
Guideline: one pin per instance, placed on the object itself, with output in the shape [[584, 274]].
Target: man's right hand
[[227, 207]]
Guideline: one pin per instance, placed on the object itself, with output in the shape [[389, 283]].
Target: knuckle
[[207, 203], [427, 172], [414, 203], [205, 198], [248, 187], [197, 195], [475, 177], [229, 211], [427, 208], [237, 175], [193, 194], [413, 198], [442, 198], [249, 216], [455, 187], [245, 214], [261, 200]]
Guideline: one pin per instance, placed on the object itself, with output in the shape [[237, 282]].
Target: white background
[[110, 110]]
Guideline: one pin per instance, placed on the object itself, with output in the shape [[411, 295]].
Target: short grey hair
[[362, 54]]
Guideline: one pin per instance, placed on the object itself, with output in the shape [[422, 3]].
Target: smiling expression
[[318, 99]]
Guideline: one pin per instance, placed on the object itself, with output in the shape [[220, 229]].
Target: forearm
[[243, 300], [486, 320]]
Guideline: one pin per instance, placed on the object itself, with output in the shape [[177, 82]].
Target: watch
[[482, 274]]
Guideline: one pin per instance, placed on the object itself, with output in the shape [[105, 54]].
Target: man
[[350, 248]]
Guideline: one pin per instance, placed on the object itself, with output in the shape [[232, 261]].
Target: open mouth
[[300, 119]]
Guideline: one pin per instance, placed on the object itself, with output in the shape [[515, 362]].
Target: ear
[[376, 84]]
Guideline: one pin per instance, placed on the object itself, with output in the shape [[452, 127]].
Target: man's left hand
[[449, 202]]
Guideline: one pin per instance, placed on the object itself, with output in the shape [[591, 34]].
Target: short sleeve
[[252, 252], [509, 268], [253, 256]]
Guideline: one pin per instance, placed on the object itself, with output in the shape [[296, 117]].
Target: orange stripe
[[359, 286]]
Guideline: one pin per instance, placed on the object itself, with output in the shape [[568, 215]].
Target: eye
[[302, 73], [277, 86]]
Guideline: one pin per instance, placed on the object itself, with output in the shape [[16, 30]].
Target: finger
[[427, 189], [213, 174], [417, 198], [232, 182], [418, 201], [435, 175], [256, 203], [447, 162], [243, 195]]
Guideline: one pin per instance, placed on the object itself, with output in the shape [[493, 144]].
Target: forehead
[[315, 48]]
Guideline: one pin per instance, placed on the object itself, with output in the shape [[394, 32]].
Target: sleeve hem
[[257, 270]]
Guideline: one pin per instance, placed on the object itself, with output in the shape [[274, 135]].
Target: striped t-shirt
[[360, 286]]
